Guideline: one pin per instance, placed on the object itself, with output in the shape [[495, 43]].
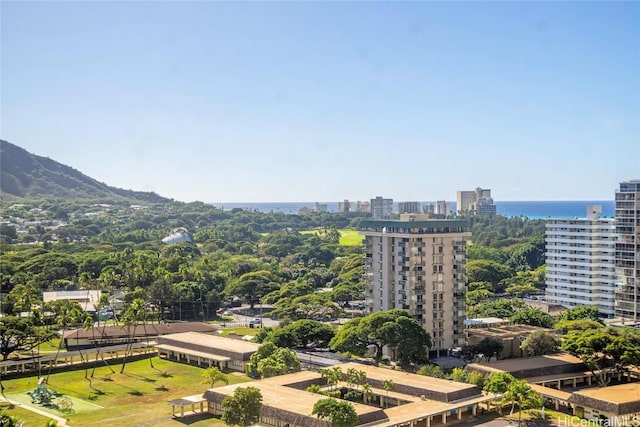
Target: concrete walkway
[[62, 422]]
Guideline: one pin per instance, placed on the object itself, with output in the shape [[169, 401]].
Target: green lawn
[[239, 331], [348, 236], [136, 397], [29, 419]]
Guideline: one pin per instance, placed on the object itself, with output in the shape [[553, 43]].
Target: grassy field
[[348, 236], [29, 419], [138, 397], [239, 331]]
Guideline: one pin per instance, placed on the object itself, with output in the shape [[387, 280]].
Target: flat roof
[[187, 400], [406, 378], [424, 408], [550, 392], [616, 394], [150, 329], [287, 398], [213, 341], [537, 362], [429, 223], [196, 353], [485, 321], [559, 377]]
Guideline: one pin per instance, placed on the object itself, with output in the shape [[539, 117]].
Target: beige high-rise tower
[[418, 264]]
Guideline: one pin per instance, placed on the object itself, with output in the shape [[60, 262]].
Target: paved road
[[266, 321]]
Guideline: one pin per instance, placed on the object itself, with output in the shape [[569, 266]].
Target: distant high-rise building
[[344, 206], [418, 264], [580, 263], [464, 200], [443, 207], [478, 201], [363, 207], [320, 207], [430, 208], [381, 208], [408, 207], [627, 257]]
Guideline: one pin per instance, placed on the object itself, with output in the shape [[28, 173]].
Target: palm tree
[[388, 386], [352, 377], [131, 318], [102, 303], [63, 319], [82, 320], [332, 376], [143, 314], [367, 392], [521, 394], [38, 320], [361, 378]]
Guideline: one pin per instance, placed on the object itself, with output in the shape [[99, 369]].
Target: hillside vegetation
[[26, 175]]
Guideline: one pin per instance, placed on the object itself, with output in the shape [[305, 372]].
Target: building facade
[[580, 256], [344, 206], [408, 207], [418, 265], [381, 207], [627, 256], [478, 202], [443, 208]]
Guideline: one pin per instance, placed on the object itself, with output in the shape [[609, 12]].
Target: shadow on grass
[[140, 377], [135, 393], [161, 388], [163, 374]]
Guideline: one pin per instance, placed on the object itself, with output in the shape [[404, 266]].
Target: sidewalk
[[62, 422]]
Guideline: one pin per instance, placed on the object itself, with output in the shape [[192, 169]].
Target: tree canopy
[[19, 334], [393, 328], [339, 412], [606, 351], [270, 360], [539, 343], [243, 407], [301, 333]]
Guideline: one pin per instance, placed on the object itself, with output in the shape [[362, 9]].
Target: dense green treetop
[[607, 351], [340, 413], [539, 343], [242, 407], [532, 317], [395, 328]]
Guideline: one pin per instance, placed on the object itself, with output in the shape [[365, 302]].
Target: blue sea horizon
[[529, 209]]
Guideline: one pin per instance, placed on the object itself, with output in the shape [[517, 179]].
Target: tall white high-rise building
[[580, 254], [419, 265], [628, 250]]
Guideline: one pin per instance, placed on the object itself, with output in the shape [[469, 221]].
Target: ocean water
[[529, 209]]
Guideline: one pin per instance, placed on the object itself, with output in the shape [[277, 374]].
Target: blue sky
[[306, 101]]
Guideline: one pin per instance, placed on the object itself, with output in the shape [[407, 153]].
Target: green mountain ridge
[[26, 175]]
